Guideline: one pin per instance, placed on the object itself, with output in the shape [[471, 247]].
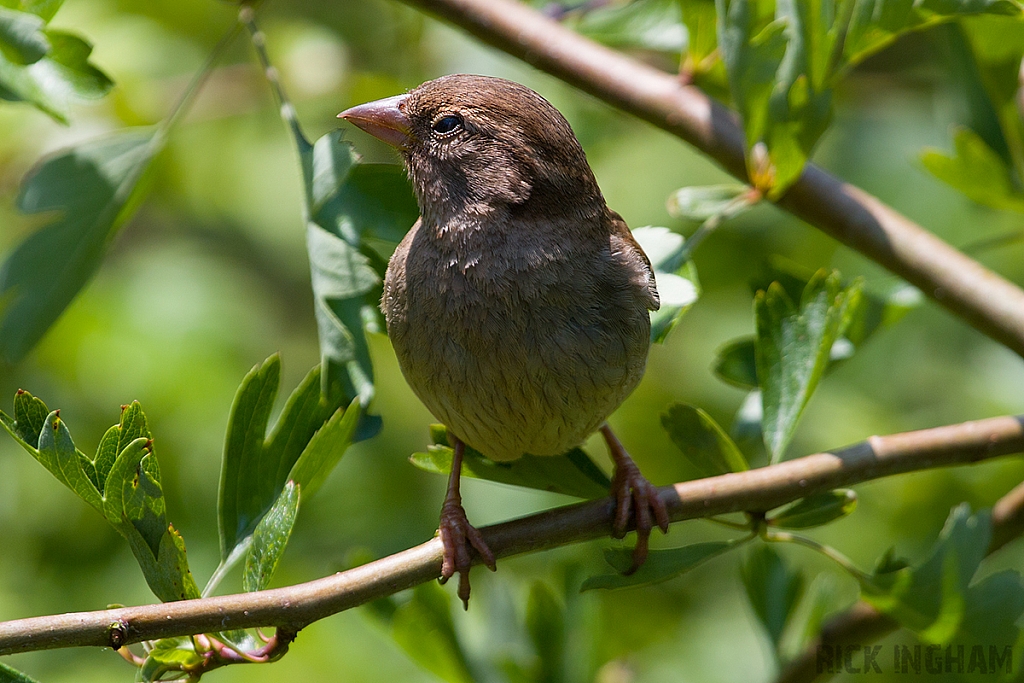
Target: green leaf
[[325, 449], [167, 655], [699, 203], [931, 598], [57, 453], [423, 627], [994, 605], [55, 82], [87, 188], [977, 171], [44, 9], [736, 363], [676, 277], [270, 539], [573, 473], [816, 510], [661, 565], [546, 626], [705, 445], [773, 589], [29, 415], [10, 675], [22, 40], [793, 347], [805, 626], [655, 25]]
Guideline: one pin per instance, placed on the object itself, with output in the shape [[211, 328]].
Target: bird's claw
[[632, 490], [457, 536]]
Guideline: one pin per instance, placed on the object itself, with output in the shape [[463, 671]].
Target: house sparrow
[[518, 304]]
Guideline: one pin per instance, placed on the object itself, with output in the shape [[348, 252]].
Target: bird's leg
[[632, 490], [457, 534]]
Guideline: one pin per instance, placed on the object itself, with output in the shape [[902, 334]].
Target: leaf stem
[[827, 551]]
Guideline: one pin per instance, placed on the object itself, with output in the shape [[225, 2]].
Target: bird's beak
[[383, 119]]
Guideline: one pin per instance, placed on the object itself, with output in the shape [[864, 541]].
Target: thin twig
[[982, 298], [294, 607]]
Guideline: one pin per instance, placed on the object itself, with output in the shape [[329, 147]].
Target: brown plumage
[[518, 305]]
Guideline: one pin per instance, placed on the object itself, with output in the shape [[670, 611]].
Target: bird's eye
[[447, 124]]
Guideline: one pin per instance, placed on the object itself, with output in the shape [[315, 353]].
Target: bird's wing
[[635, 254]]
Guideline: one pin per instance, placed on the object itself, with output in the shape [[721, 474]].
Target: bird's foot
[[457, 536], [633, 492]]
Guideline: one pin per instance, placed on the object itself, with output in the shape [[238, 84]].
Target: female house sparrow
[[518, 303]]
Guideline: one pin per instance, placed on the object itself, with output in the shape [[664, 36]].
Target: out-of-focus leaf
[[325, 449], [167, 655], [931, 598], [647, 24], [678, 286], [793, 347], [773, 589], [11, 675], [573, 473], [270, 539], [736, 363], [423, 627], [661, 565], [87, 187], [701, 202], [705, 445], [545, 624], [746, 430], [22, 40], [805, 625], [57, 80], [994, 606], [975, 170], [44, 9], [816, 510]]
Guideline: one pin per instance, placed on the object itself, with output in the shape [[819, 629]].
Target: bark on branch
[[294, 607], [985, 300]]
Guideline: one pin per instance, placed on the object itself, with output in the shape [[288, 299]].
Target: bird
[[518, 304]]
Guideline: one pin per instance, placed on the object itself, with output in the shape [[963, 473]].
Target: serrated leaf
[[975, 170], [11, 675], [573, 474], [169, 654], [931, 598], [29, 415], [699, 203], [736, 363], [546, 626], [646, 24], [56, 81], [423, 627], [87, 188], [57, 453], [705, 445], [22, 40], [793, 347], [325, 449], [773, 589], [676, 277], [816, 510], [661, 565], [270, 539]]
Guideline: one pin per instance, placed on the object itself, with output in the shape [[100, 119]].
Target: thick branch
[[985, 300], [294, 607], [862, 623]]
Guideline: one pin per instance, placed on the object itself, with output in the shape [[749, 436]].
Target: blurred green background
[[210, 277]]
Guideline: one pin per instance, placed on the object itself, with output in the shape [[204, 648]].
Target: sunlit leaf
[[661, 565], [22, 40], [270, 539], [705, 445], [931, 598], [701, 202], [325, 449], [678, 286], [167, 655], [86, 188], [573, 473], [977, 171], [815, 510], [773, 589], [793, 347]]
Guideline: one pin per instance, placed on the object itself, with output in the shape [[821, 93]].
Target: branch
[[982, 298], [295, 607], [863, 624]]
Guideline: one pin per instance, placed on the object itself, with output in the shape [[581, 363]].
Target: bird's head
[[475, 144]]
